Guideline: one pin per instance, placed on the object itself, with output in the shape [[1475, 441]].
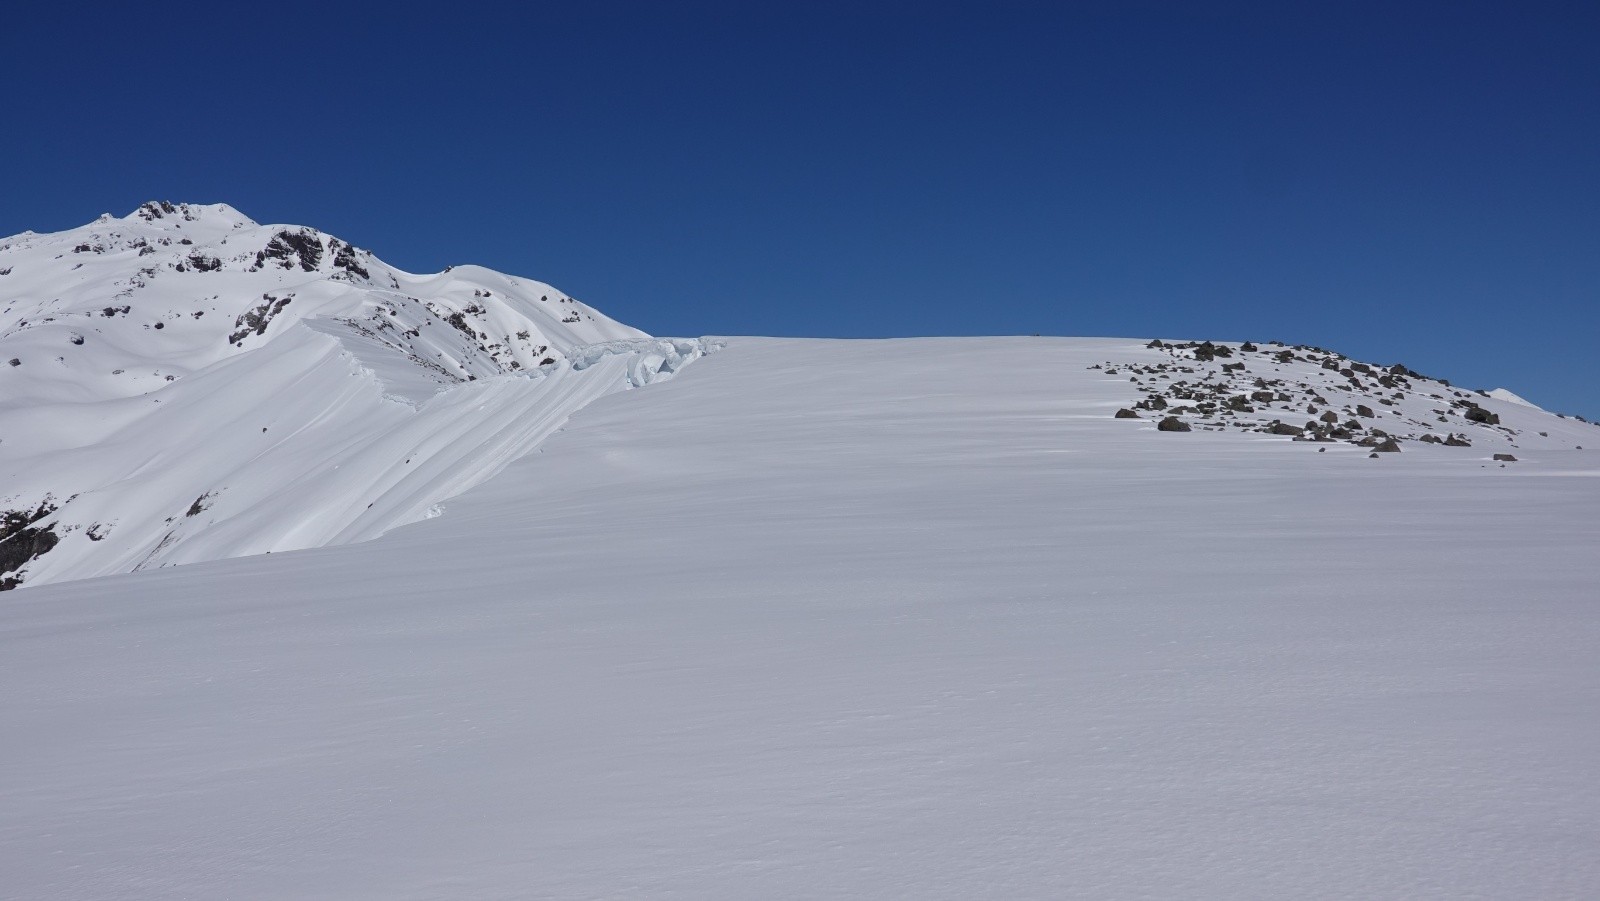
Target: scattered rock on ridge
[[1348, 400]]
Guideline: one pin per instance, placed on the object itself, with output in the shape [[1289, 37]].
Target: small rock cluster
[[256, 319]]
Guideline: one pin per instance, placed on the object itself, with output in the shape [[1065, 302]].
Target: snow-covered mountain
[[942, 618], [183, 384]]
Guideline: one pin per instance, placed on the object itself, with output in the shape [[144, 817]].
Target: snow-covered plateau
[[923, 618]]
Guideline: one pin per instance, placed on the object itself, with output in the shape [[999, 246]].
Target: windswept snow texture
[[183, 384], [910, 619]]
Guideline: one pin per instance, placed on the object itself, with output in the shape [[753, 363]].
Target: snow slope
[[182, 384], [908, 619]]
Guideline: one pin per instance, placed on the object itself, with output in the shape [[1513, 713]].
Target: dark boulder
[[1172, 424]]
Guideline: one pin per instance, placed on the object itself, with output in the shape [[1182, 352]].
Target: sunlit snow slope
[[182, 384], [911, 619]]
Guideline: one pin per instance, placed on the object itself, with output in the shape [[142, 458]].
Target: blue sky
[[1415, 183]]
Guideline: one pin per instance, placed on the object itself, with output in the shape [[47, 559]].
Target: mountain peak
[[163, 211]]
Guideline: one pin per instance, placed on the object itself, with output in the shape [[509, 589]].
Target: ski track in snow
[[908, 619]]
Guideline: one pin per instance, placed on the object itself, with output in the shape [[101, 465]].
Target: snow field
[[911, 619]]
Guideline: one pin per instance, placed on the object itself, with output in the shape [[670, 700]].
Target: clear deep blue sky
[[1402, 182]]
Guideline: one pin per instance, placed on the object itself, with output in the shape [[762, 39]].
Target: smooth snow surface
[[910, 619]]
